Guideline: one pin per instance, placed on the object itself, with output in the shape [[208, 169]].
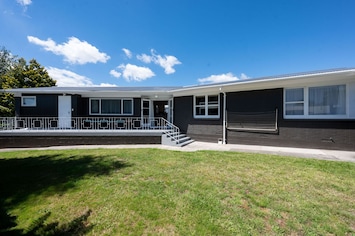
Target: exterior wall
[[256, 101], [47, 106], [209, 130], [137, 107], [77, 106], [328, 134], [46, 141], [337, 135]]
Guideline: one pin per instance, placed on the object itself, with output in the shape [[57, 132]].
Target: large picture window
[[110, 106], [206, 106], [327, 100], [315, 102]]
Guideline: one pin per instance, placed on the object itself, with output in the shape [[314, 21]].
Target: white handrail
[[173, 131], [85, 123]]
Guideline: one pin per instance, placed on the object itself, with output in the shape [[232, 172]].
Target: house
[[313, 110]]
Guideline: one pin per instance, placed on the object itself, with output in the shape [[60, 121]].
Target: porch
[[54, 131]]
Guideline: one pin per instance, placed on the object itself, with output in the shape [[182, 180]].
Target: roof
[[288, 80], [279, 81]]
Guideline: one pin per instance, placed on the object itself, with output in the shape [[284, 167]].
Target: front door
[[161, 109], [64, 112]]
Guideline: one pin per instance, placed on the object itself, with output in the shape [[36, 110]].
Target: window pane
[[127, 107], [213, 111], [294, 95], [200, 100], [200, 111], [29, 101], [145, 104], [294, 109], [327, 100], [212, 100], [110, 106], [95, 106]]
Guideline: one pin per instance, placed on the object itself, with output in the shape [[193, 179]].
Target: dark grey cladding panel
[[46, 106], [255, 101]]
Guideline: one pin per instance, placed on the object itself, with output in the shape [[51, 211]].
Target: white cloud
[[145, 58], [127, 52], [74, 51], [66, 78], [107, 85], [167, 61], [24, 2], [135, 73], [221, 78], [115, 73], [244, 76]]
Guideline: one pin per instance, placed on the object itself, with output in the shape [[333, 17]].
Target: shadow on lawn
[[52, 174]]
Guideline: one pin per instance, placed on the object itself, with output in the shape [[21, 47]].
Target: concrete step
[[176, 139], [186, 143], [183, 139]]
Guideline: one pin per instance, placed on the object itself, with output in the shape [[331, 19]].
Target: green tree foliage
[[16, 73], [7, 60]]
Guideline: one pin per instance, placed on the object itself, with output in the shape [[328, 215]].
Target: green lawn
[[161, 192]]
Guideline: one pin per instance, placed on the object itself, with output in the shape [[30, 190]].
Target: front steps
[[175, 139]]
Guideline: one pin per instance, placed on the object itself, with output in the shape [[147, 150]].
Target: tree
[[7, 61], [16, 73]]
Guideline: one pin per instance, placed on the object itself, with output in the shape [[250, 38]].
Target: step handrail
[[173, 131]]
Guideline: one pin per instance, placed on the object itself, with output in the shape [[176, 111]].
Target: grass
[[161, 192]]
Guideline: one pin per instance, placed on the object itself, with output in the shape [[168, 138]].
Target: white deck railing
[[85, 123], [20, 125]]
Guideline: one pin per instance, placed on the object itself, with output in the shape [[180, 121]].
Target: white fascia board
[[128, 94], [271, 82]]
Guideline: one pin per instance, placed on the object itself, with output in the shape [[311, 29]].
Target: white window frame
[[294, 102], [108, 114], [206, 106], [306, 114], [23, 98]]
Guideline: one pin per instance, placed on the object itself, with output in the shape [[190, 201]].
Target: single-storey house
[[313, 110]]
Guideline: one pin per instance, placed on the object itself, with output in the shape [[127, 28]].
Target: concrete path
[[322, 154]]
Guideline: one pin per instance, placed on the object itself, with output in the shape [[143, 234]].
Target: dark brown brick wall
[[46, 141], [323, 138]]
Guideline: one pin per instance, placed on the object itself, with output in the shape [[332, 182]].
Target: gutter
[[224, 140]]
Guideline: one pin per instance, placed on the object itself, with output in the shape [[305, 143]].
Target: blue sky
[[178, 42]]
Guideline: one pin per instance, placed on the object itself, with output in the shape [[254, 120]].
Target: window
[[95, 106], [109, 106], [315, 102], [28, 101], [294, 101], [327, 100], [206, 106]]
